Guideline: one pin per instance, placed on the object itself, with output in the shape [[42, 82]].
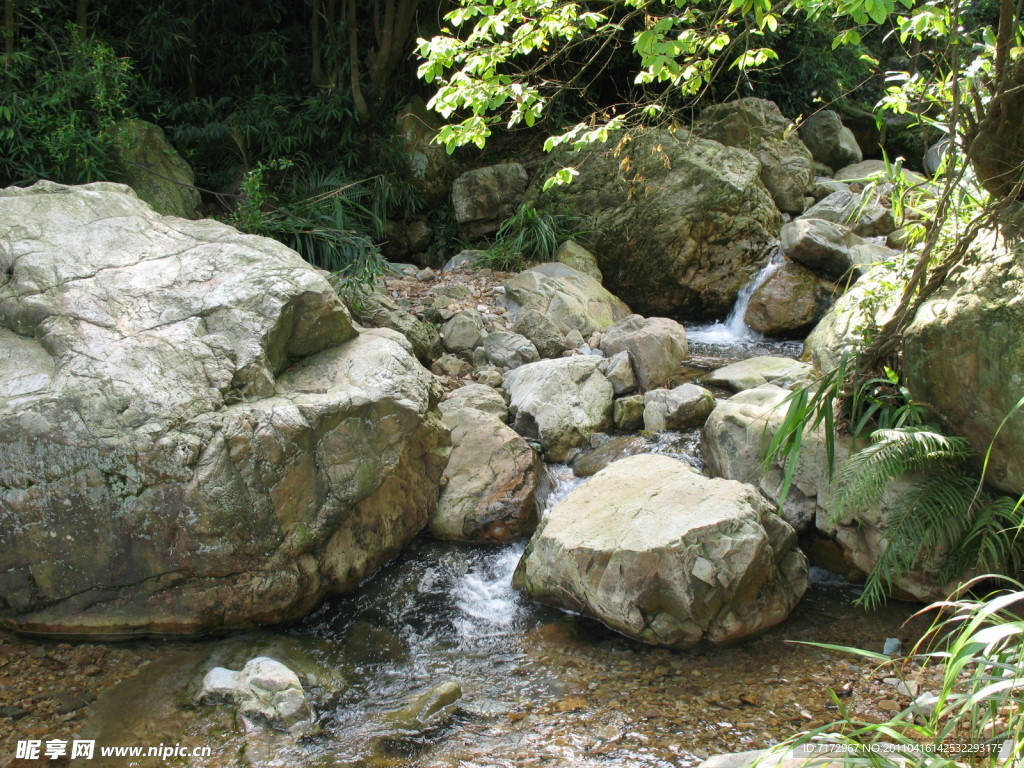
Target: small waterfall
[[484, 596], [734, 329]]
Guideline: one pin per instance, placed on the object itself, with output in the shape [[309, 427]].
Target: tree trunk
[[393, 24], [996, 144], [8, 29], [191, 61], [82, 17], [317, 73], [355, 71]]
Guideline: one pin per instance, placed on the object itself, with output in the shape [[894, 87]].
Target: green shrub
[[58, 100], [323, 221]]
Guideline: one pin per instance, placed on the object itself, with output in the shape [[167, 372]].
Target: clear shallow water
[[540, 687]]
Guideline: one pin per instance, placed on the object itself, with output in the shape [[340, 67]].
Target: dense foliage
[[309, 90]]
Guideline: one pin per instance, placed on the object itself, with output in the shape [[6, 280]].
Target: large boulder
[[574, 255], [464, 332], [656, 347], [153, 168], [483, 198], [509, 350], [734, 443], [861, 310], [830, 249], [619, 372], [757, 125], [682, 222], [790, 302], [195, 438], [376, 309], [480, 397], [659, 552], [570, 299], [559, 403], [757, 371], [683, 407], [829, 140], [867, 218], [964, 355], [495, 482], [541, 330]]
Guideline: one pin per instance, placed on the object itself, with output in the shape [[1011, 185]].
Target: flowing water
[[733, 335], [539, 687]]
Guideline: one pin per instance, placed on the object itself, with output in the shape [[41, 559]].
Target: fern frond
[[863, 478], [993, 542], [932, 515]]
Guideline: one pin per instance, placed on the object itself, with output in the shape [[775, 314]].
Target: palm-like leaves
[[945, 511]]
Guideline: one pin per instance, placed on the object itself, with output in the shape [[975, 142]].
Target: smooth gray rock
[[495, 482], [758, 126], [199, 402], [464, 332], [820, 245], [656, 347], [483, 198], [790, 302], [867, 219], [680, 408], [758, 371], [596, 459], [829, 140], [376, 310], [619, 372], [463, 260], [734, 442], [265, 691], [867, 305], [509, 350], [628, 412], [682, 222], [154, 169], [660, 553], [570, 299], [964, 355], [574, 255], [559, 403], [477, 396], [549, 341]]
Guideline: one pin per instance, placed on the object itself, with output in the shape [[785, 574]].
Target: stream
[[539, 687]]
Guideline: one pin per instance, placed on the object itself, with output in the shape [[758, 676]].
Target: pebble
[[888, 705], [908, 688], [426, 275]]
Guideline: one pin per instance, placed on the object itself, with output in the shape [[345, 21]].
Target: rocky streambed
[[248, 449], [538, 687]]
